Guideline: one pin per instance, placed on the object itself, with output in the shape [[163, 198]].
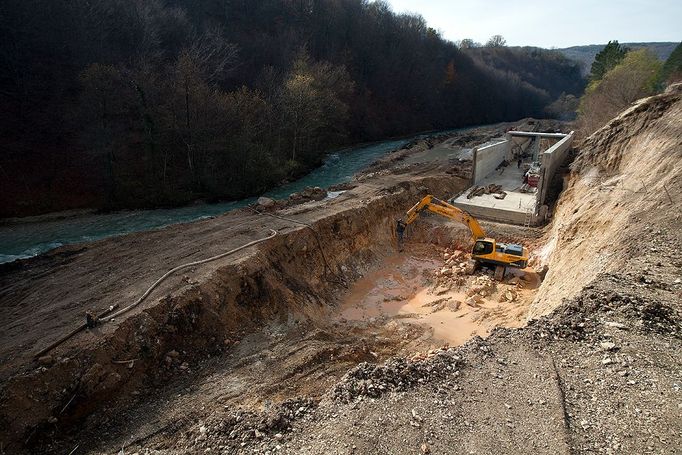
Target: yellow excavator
[[486, 250]]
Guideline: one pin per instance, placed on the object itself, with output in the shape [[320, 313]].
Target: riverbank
[[24, 238]]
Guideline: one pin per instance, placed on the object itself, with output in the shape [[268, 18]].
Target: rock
[[46, 360], [203, 429], [173, 354], [471, 302], [315, 193], [425, 449], [279, 436], [265, 201], [615, 325], [454, 305], [606, 361], [607, 346], [542, 272]]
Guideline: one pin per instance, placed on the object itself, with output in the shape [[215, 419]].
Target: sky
[[548, 23]]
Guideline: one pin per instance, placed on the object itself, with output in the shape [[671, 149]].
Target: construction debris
[[495, 190]]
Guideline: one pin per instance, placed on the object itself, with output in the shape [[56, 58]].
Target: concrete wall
[[552, 159], [495, 213], [488, 157]]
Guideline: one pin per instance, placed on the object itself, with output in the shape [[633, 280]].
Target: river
[[28, 238]]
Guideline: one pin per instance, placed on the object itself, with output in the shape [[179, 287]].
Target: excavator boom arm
[[440, 207]]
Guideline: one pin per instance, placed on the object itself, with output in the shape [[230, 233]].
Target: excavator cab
[[488, 251], [483, 246]]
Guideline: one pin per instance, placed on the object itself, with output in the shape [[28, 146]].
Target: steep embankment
[[622, 201]]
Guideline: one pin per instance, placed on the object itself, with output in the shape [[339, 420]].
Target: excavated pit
[[428, 286], [283, 311], [284, 292], [285, 319]]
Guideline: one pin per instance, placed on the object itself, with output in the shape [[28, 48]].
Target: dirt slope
[[622, 202]]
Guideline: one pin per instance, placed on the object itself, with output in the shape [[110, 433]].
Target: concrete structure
[[534, 134], [488, 157], [516, 207], [552, 159]]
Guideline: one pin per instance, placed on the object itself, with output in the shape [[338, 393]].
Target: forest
[[115, 104]]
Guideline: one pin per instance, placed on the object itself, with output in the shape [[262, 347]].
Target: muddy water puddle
[[408, 288]]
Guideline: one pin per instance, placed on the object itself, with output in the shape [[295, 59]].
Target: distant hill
[[585, 54]]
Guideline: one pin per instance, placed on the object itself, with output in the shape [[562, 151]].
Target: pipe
[[105, 317]]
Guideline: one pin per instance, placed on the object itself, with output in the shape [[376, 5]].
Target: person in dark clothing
[[400, 231], [518, 163]]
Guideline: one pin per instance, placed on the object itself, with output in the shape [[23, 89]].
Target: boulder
[[265, 201]]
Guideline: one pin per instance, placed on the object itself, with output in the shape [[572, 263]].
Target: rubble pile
[[441, 304], [483, 286], [397, 374], [456, 274], [495, 190], [598, 307], [241, 428], [452, 273], [309, 194]]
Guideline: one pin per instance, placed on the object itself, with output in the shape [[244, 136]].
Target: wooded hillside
[[140, 103]]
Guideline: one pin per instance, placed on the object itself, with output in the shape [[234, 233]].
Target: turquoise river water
[[23, 239]]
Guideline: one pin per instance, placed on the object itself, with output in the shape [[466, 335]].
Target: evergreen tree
[[607, 59], [672, 68]]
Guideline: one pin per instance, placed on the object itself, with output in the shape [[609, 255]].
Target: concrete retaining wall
[[487, 158], [494, 214], [552, 159]]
